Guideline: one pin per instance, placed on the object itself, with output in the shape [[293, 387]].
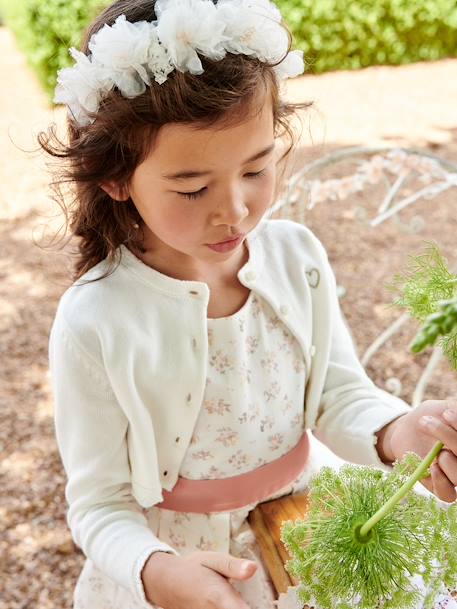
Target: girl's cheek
[[183, 218]]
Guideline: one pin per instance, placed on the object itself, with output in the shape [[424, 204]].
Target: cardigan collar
[[196, 289]]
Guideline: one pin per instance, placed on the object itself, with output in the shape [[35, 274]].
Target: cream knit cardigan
[[128, 357]]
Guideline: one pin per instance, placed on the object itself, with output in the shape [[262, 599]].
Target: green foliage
[[341, 35], [46, 29], [449, 346], [426, 281], [441, 323], [428, 290], [338, 569]]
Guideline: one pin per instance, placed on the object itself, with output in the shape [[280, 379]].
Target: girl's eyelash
[[256, 174], [199, 193], [192, 195]]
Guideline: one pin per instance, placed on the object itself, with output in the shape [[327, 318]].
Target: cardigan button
[[165, 473], [193, 292], [194, 343], [312, 350], [283, 309], [177, 439], [189, 397]]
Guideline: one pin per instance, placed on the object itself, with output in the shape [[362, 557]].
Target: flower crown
[[127, 55]]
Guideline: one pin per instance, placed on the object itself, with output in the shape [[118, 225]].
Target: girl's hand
[[414, 433], [198, 580]]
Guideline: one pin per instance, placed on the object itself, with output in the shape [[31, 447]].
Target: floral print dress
[[252, 413]]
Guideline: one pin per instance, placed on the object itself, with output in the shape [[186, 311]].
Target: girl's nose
[[232, 210]]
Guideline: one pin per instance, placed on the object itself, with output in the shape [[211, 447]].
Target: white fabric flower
[[253, 27], [81, 87], [158, 60], [292, 65], [123, 48], [187, 26]]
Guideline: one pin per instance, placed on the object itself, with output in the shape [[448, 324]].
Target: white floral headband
[[126, 55]]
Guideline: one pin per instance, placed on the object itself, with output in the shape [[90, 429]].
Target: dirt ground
[[411, 106]]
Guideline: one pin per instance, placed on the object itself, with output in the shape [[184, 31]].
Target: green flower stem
[[417, 475]]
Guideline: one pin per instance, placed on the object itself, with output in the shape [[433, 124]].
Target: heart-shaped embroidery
[[313, 276]]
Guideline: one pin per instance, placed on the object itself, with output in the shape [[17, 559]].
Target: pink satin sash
[[235, 492]]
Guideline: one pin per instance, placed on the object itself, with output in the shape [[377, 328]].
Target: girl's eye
[[192, 195], [198, 193], [256, 174]]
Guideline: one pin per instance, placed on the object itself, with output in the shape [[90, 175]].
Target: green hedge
[[334, 34], [346, 35]]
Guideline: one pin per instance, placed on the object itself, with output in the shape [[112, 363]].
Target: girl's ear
[[116, 192]]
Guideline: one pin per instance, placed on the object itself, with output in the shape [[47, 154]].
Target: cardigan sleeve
[[105, 520], [352, 407]]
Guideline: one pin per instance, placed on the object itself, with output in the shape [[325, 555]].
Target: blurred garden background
[[379, 74]]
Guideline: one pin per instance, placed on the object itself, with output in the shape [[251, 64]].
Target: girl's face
[[200, 187]]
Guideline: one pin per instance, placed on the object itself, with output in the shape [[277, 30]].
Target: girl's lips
[[226, 246]]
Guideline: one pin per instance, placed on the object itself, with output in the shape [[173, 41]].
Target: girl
[[200, 340]]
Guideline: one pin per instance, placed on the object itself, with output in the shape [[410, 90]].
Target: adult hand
[[418, 431], [198, 580]]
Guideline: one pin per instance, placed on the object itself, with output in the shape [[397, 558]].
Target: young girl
[[200, 340]]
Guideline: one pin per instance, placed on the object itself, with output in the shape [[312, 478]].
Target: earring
[[136, 226]]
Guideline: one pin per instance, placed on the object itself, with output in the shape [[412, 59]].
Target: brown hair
[[109, 149]]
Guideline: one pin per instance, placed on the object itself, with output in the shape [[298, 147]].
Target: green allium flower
[[338, 568]]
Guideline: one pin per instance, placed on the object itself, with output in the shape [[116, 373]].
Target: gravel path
[[410, 105]]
